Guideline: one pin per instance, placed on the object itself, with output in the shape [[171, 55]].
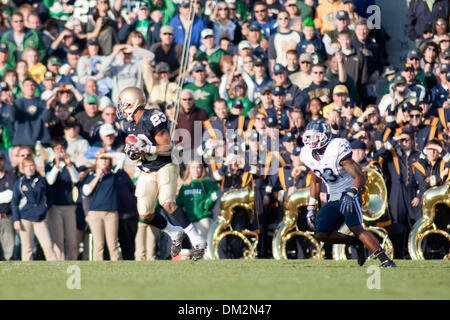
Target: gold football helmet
[[130, 99]]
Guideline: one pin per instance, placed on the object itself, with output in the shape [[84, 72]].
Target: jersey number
[[157, 118], [327, 175]]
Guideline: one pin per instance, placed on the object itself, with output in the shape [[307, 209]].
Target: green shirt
[[142, 27], [168, 10], [198, 198], [8, 66], [204, 96], [213, 59]]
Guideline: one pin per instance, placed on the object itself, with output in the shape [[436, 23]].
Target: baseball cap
[[342, 15], [166, 29], [266, 88], [244, 45], [54, 60], [358, 144], [106, 130], [279, 91], [199, 67], [93, 41], [162, 67], [237, 104], [340, 89], [288, 136], [296, 150], [74, 49], [3, 47], [91, 99], [306, 57], [144, 5], [207, 33], [254, 27], [399, 80], [444, 67], [389, 70], [413, 54], [48, 75], [258, 62], [184, 4], [278, 68]]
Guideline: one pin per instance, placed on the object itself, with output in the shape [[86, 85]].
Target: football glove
[[311, 216], [348, 200], [131, 153], [139, 145]]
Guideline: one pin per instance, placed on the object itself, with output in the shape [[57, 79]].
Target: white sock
[[170, 228], [193, 235]]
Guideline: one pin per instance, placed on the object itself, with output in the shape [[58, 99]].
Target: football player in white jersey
[[149, 141], [331, 162]]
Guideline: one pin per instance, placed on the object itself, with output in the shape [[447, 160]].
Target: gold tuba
[[288, 227], [231, 200], [374, 206], [426, 226]]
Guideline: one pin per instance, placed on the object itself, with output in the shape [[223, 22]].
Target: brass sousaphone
[[426, 225], [288, 227], [221, 228], [374, 206]]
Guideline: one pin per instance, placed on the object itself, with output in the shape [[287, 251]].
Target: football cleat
[[388, 264], [198, 251], [361, 251], [177, 240]]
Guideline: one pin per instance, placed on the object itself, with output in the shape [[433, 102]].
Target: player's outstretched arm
[[353, 169]]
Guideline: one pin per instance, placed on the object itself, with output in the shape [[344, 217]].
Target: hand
[[99, 23], [139, 145], [324, 99], [347, 201], [310, 48], [266, 200], [18, 226], [311, 213], [415, 202], [156, 15], [131, 153], [192, 51], [66, 158], [339, 57]]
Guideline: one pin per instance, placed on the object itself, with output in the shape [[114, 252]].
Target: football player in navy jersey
[[331, 162], [149, 141]]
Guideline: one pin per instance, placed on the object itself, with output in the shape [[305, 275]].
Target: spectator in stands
[[303, 78], [268, 26], [62, 175], [89, 117], [311, 43], [125, 72], [19, 38], [7, 181], [4, 65], [32, 115], [102, 25], [420, 12], [188, 115], [76, 145], [197, 197], [168, 51], [29, 208], [223, 25], [326, 13], [108, 139], [182, 19]]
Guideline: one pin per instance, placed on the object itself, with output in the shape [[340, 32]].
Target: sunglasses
[[260, 118], [232, 8], [168, 34], [348, 106], [187, 99], [283, 18], [414, 115], [260, 11], [318, 72], [222, 9]]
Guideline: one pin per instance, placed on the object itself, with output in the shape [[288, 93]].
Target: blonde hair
[[187, 179], [26, 52], [215, 15], [25, 160]]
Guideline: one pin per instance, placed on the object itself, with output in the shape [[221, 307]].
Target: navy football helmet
[[317, 134]]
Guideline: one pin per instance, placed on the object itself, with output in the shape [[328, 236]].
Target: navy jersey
[[151, 122]]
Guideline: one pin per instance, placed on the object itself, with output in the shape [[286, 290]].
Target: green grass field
[[224, 279]]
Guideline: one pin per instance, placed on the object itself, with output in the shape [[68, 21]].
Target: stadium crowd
[[261, 68]]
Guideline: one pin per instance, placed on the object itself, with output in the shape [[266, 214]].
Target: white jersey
[[328, 168]]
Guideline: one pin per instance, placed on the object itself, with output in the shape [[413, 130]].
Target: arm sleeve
[[52, 175], [15, 202], [74, 176]]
